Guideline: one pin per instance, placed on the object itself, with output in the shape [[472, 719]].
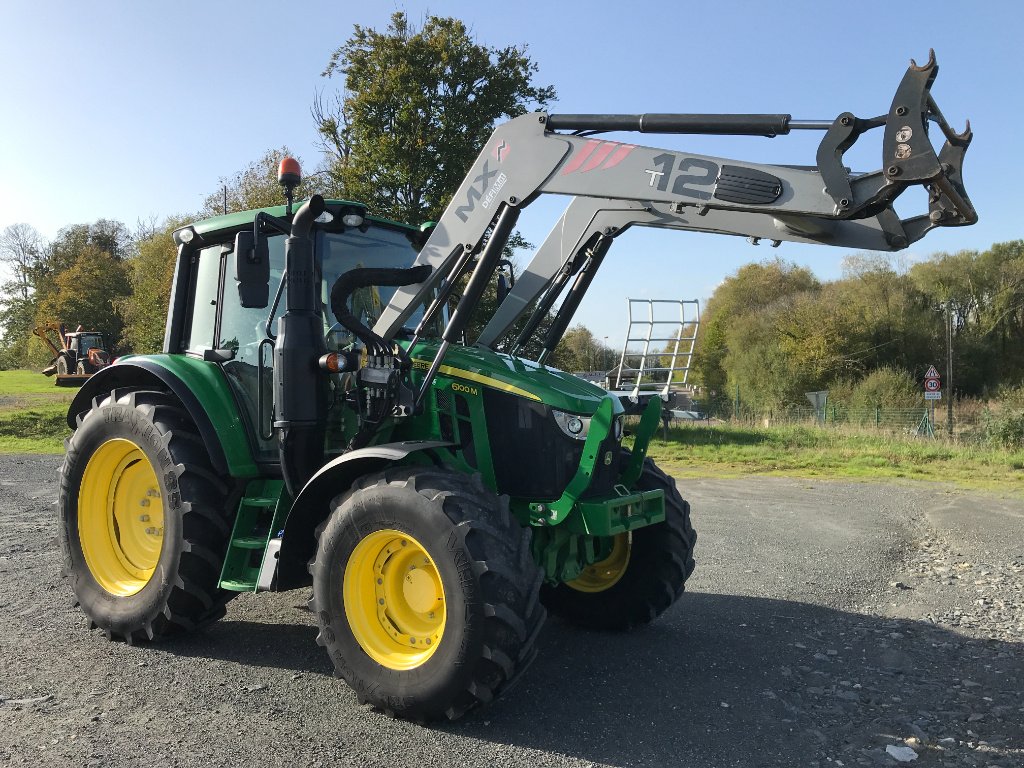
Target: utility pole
[[949, 370]]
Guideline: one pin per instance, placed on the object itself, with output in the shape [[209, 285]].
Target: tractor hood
[[524, 378]]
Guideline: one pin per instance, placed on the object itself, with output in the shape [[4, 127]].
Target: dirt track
[[824, 622]]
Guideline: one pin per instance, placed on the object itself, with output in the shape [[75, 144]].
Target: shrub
[[887, 387]]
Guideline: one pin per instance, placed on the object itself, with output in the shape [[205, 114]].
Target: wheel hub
[[606, 573], [120, 517], [394, 599]]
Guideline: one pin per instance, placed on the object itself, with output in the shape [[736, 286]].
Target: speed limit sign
[[931, 385]]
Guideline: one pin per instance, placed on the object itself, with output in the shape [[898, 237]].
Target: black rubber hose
[[364, 277]]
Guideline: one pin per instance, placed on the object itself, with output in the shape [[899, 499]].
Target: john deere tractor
[[318, 416]]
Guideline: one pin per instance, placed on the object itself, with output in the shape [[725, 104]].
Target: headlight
[[572, 425]]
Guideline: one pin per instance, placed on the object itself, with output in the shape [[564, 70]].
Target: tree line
[[773, 331]]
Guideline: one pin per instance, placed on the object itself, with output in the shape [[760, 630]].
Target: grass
[[807, 451], [32, 413]]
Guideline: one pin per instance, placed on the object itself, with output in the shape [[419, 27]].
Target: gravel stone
[[792, 619]]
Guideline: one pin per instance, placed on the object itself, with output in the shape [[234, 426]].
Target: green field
[[828, 452], [32, 413]]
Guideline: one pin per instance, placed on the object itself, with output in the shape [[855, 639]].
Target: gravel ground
[[827, 624]]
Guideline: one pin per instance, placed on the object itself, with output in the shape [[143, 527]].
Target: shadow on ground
[[726, 680]]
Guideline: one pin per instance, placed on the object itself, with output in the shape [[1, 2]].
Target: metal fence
[[917, 420], [921, 420]]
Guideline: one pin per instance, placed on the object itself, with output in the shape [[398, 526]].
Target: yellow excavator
[[80, 354]]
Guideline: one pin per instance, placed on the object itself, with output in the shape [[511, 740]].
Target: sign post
[[818, 400], [932, 388]]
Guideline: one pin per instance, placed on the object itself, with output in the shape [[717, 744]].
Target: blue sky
[[127, 110]]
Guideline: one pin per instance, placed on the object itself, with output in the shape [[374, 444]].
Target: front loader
[[318, 418]]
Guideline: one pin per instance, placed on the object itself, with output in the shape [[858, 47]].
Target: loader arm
[[43, 332], [615, 185]]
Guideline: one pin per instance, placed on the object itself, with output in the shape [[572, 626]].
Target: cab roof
[[240, 219]]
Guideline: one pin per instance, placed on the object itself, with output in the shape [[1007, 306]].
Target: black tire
[[490, 588], [660, 561], [197, 507], [62, 365]]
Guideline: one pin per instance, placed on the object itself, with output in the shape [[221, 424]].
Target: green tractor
[[318, 416]]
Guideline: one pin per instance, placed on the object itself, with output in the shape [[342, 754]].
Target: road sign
[[932, 395], [932, 385], [818, 400], [931, 373]]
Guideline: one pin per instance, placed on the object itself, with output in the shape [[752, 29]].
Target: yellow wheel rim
[[606, 573], [120, 517], [394, 599]]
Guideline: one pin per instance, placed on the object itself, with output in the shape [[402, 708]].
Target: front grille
[[533, 458]]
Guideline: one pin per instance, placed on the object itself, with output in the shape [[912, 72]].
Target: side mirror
[[252, 270]]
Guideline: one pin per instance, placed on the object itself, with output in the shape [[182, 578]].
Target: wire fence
[[922, 421], [905, 420]]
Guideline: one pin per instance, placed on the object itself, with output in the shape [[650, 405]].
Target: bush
[[886, 387], [1005, 429]]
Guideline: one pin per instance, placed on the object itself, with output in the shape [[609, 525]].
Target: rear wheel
[[425, 592], [643, 574], [144, 521]]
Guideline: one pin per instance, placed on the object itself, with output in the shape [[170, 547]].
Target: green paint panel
[[641, 442], [608, 517], [206, 381], [524, 378]]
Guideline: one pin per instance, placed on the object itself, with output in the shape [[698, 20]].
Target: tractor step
[[259, 516], [250, 542]]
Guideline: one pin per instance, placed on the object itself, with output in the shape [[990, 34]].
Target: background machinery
[[316, 418], [80, 355]]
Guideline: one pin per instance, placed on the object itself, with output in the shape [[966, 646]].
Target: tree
[[21, 248], [150, 273], [581, 350], [417, 106], [256, 186], [88, 293], [753, 287], [984, 294]]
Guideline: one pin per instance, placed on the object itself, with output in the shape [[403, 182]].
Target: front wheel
[[643, 573], [425, 592]]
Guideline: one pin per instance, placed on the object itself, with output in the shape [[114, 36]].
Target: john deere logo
[[608, 458]]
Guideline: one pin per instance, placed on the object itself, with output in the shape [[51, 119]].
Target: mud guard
[[312, 505], [213, 410]]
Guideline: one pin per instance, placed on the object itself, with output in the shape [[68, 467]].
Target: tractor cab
[[226, 312], [81, 343]]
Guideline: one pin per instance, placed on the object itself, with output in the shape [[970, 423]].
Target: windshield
[[353, 249], [91, 341]]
